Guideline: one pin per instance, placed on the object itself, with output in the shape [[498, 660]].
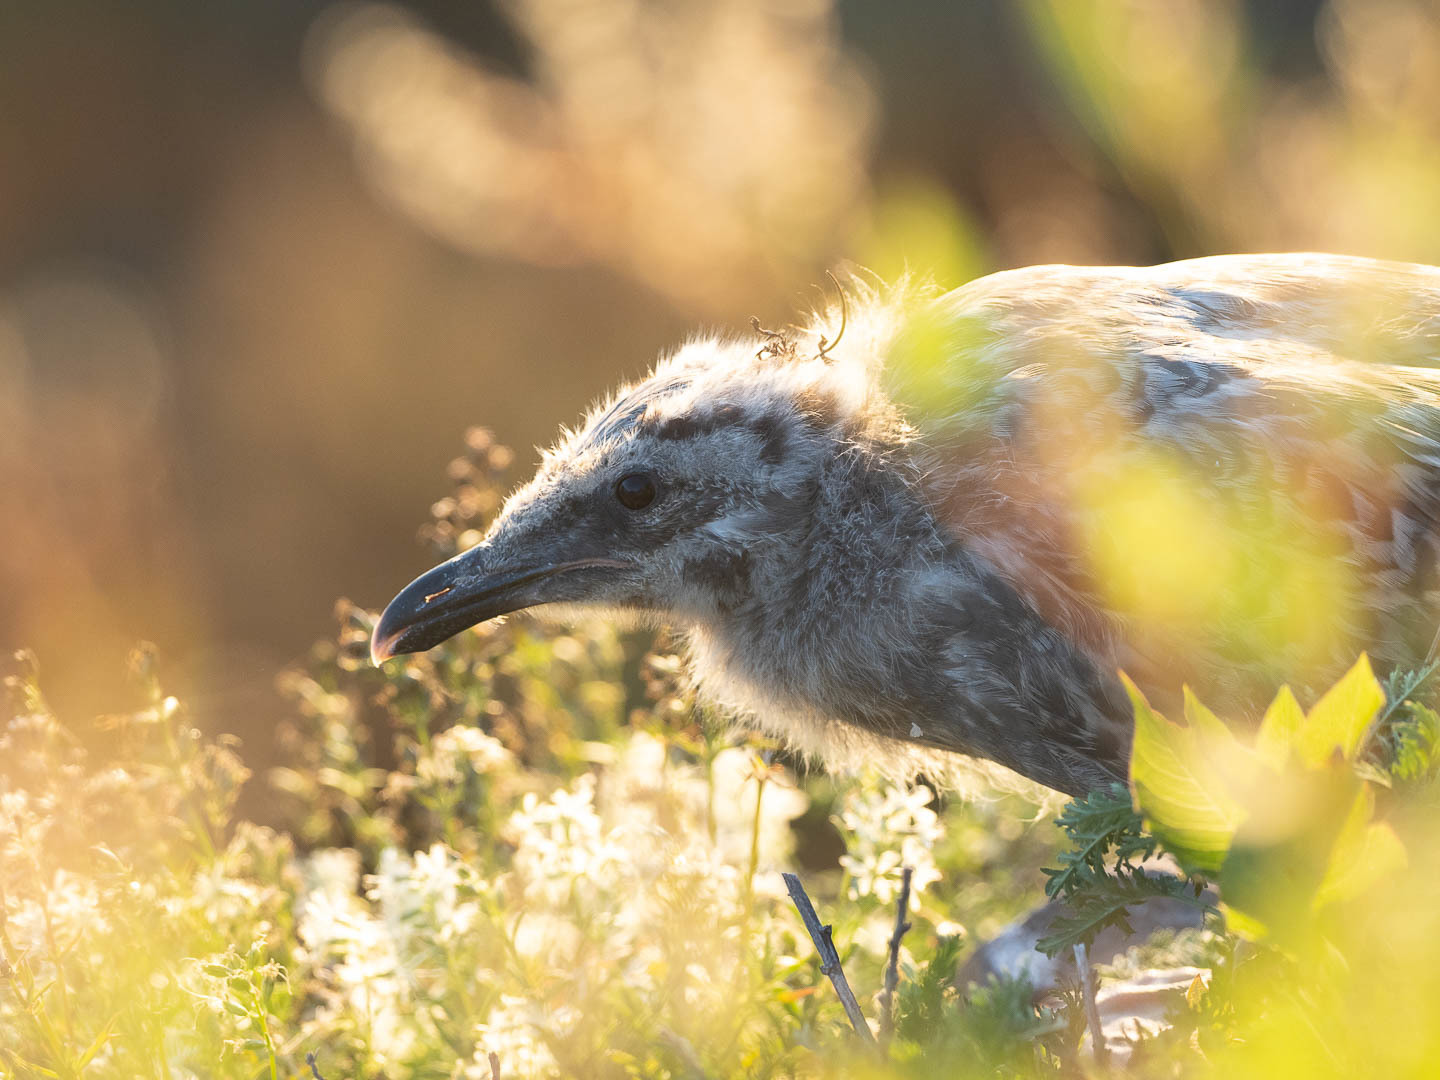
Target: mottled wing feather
[[1292, 398]]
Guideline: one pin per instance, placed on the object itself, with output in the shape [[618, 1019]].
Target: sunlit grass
[[615, 910], [524, 844]]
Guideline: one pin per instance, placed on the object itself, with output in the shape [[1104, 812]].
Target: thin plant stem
[[829, 957], [892, 963]]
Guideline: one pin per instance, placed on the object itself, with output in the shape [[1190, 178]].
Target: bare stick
[[494, 1065], [1092, 1009], [892, 966], [829, 958]]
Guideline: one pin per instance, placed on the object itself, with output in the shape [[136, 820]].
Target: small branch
[[494, 1065], [314, 1068], [892, 966], [829, 958], [1092, 1008]]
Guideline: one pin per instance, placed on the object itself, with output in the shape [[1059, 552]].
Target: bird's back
[[1222, 472]]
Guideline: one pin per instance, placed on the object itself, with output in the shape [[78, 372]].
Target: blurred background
[[261, 264]]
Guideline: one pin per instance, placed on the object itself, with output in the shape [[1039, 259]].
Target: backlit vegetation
[[525, 844]]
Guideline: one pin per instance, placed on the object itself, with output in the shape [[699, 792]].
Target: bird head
[[676, 500]]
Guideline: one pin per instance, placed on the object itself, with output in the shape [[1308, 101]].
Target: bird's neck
[[872, 631], [822, 631]]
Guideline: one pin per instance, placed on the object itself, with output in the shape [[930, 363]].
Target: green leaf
[[100, 1040], [1178, 774], [1413, 743], [1100, 824], [1106, 902], [39, 1070], [1364, 853], [1278, 728], [1201, 719], [1281, 854], [1246, 926], [1340, 718]]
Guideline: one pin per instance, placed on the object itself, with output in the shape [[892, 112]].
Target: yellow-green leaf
[[1247, 926], [1180, 783], [1195, 992], [1201, 719], [1341, 717], [99, 1041], [1282, 852], [1364, 853], [1278, 729]]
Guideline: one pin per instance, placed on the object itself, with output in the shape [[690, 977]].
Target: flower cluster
[[889, 828]]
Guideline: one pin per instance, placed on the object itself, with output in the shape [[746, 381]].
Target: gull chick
[[950, 530]]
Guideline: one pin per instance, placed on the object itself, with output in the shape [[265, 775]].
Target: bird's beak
[[469, 589]]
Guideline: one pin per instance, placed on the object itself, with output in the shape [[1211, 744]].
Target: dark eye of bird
[[636, 491]]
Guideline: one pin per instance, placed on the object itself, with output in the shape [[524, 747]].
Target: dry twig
[[1092, 1008], [892, 965], [829, 958]]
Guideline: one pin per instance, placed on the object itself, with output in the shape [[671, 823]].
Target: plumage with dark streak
[[917, 543]]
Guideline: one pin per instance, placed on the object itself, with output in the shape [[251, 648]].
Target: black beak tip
[[395, 624], [409, 622], [384, 643]]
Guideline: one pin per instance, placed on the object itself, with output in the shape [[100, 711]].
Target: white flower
[[458, 747], [562, 846], [550, 938], [72, 911], [227, 900], [873, 935], [332, 870], [886, 830], [354, 953], [645, 787], [340, 930], [514, 1033]]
